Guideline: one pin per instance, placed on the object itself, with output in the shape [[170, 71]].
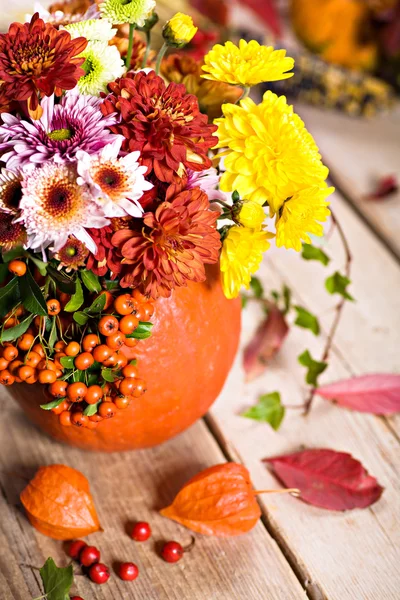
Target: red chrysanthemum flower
[[35, 57], [163, 123], [172, 247], [73, 255], [107, 257]]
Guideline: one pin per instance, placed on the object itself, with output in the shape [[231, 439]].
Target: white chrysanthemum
[[103, 63], [10, 190], [54, 206], [116, 183], [131, 11], [94, 30]]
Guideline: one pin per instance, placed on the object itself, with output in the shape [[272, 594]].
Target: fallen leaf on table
[[376, 393], [269, 409], [386, 186], [265, 344], [328, 479], [59, 504], [218, 501], [56, 580]]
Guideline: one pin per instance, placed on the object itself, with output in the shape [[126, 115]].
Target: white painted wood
[[342, 556], [358, 153]]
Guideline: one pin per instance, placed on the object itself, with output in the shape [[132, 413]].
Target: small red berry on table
[[75, 548], [99, 573], [76, 598], [89, 555], [141, 531], [128, 571], [172, 552]]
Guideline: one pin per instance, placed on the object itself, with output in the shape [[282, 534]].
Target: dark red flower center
[[59, 201], [12, 195]]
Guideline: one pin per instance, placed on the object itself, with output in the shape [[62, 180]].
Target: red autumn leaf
[[218, 501], [58, 503], [265, 344], [377, 393], [328, 479]]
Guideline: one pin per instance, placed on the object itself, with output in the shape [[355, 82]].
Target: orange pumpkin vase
[[185, 363]]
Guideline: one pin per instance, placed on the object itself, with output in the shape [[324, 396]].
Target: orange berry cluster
[[73, 390]]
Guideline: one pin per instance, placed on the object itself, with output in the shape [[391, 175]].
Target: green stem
[[246, 92], [146, 54], [130, 46], [160, 56]]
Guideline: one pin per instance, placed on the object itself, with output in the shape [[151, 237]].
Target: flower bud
[[179, 30], [150, 22]]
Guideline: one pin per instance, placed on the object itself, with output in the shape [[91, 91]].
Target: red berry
[[141, 532], [89, 556], [128, 571], [75, 548], [76, 598], [172, 552], [99, 573]]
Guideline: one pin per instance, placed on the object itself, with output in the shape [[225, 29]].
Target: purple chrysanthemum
[[75, 124]]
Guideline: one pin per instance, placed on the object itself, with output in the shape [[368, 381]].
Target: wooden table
[[296, 551]]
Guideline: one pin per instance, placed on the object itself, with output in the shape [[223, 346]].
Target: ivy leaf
[[57, 581], [53, 404], [76, 300], [90, 281], [257, 287], [142, 331], [108, 375], [67, 362], [314, 367], [244, 300], [9, 296], [91, 409], [306, 320], [268, 410], [80, 317], [287, 299], [11, 334], [97, 305], [31, 295], [311, 252], [337, 284]]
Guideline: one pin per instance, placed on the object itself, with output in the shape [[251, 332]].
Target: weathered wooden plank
[[128, 487], [358, 153], [341, 556]]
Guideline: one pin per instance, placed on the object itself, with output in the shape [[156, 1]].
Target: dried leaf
[[218, 501], [265, 344], [59, 504], [328, 479], [376, 393]]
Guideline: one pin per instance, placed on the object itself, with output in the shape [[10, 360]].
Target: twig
[[338, 308]]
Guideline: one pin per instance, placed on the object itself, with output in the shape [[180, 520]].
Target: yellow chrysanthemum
[[251, 214], [241, 254], [271, 154], [179, 30], [299, 215], [247, 64]]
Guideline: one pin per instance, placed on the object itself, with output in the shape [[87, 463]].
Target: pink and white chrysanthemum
[[207, 181], [54, 206], [75, 124], [117, 183], [10, 190]]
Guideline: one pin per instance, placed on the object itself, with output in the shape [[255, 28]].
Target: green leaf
[[31, 295], [11, 334], [79, 376], [77, 298], [108, 375], [287, 299], [97, 305], [57, 581], [311, 252], [257, 287], [268, 410], [235, 196], [53, 334], [112, 285], [41, 265], [91, 409], [80, 317], [244, 300], [314, 367], [64, 283], [91, 281], [306, 320], [67, 362], [52, 404], [9, 296], [4, 272], [14, 253], [142, 331], [133, 362], [337, 284]]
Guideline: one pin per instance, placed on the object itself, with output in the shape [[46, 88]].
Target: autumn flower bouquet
[[124, 174]]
